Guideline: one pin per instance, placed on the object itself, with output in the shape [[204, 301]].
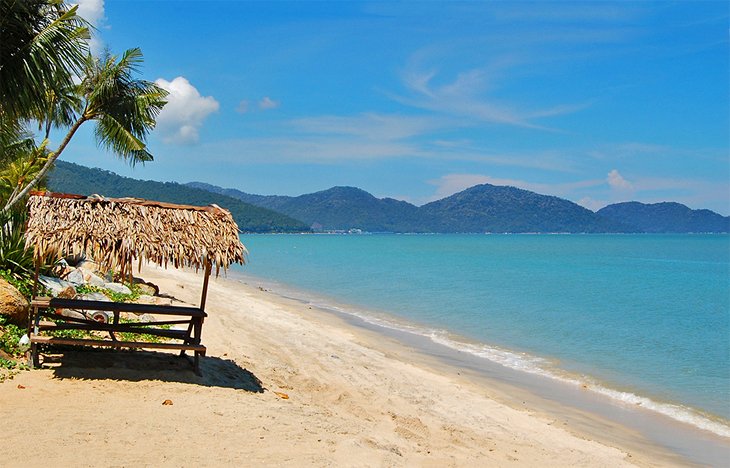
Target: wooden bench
[[44, 307]]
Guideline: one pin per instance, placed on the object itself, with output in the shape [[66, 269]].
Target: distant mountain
[[483, 208], [73, 178], [666, 217], [337, 208], [490, 208]]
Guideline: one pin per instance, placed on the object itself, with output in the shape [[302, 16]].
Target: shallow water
[[641, 318]]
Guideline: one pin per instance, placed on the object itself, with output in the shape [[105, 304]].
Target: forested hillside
[[73, 178]]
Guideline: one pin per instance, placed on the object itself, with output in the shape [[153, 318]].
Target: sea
[[641, 319]]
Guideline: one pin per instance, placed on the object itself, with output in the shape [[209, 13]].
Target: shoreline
[[328, 392], [696, 443]]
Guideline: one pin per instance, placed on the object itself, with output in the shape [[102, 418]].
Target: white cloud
[[617, 182], [93, 12], [267, 103], [185, 111]]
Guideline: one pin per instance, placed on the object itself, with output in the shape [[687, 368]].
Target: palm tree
[[123, 108], [43, 43]]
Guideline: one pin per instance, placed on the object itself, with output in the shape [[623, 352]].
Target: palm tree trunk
[[13, 200]]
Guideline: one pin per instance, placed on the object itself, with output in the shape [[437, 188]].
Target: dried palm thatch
[[117, 231]]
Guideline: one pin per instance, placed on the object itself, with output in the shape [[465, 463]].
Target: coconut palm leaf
[[42, 42], [123, 107]]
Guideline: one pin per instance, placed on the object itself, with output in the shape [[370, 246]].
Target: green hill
[[73, 178], [491, 208], [482, 208], [666, 217], [337, 208]]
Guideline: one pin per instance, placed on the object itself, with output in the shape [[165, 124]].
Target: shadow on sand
[[136, 366]]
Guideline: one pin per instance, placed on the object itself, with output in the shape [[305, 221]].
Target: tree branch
[[46, 167]]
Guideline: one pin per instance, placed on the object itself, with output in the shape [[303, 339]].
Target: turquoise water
[[641, 318]]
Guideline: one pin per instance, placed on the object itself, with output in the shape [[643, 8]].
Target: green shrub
[[14, 257], [114, 296], [9, 336]]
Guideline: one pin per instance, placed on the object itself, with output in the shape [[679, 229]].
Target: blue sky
[[596, 102]]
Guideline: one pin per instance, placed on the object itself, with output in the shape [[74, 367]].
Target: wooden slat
[[41, 301], [81, 304], [52, 340]]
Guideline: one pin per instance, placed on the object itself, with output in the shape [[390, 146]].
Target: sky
[[595, 102]]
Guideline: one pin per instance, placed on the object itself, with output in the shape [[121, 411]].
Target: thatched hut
[[117, 232]]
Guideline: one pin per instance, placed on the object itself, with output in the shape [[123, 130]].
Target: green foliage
[[112, 295], [665, 217], [9, 336], [126, 336], [15, 259], [123, 107], [24, 286], [43, 46], [70, 333], [72, 178], [9, 369]]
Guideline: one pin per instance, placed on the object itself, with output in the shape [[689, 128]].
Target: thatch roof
[[117, 231]]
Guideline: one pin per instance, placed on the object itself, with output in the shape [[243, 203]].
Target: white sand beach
[[288, 385]]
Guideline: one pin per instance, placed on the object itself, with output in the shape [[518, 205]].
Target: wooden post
[[32, 310], [205, 284], [35, 277]]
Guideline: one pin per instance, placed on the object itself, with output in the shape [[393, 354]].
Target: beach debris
[[100, 316], [281, 395], [24, 342], [167, 403], [21, 387]]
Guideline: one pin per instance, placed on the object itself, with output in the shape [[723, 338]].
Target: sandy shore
[[286, 385]]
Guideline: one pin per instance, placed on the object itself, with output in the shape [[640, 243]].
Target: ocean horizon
[[642, 319]]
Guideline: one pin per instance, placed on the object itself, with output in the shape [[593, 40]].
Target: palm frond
[[42, 42]]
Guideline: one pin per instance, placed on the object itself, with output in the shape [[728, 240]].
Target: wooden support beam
[[204, 295]]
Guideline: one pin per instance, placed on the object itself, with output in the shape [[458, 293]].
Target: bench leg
[[196, 364], [34, 360]]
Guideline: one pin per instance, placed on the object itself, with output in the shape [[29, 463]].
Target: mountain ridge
[[481, 208], [478, 209]]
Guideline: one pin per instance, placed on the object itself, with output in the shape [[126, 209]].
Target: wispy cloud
[[267, 103], [472, 94], [371, 126], [263, 104], [186, 110]]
